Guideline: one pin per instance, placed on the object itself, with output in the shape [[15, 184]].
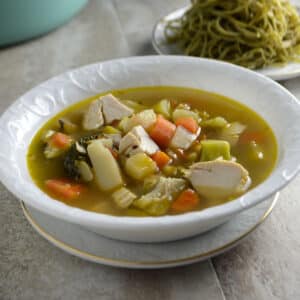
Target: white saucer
[[161, 46], [90, 246]]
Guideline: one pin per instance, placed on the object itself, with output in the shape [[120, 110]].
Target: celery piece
[[154, 207], [217, 122], [134, 105], [213, 149], [163, 107], [110, 130], [123, 197], [139, 166], [183, 113]]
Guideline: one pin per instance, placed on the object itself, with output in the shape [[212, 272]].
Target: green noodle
[[251, 33]]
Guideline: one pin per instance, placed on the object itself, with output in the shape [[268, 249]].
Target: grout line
[[217, 278]]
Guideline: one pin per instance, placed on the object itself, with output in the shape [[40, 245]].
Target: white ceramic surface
[[160, 45], [23, 118], [90, 246]]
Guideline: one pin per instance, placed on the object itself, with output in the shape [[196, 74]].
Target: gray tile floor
[[265, 266]]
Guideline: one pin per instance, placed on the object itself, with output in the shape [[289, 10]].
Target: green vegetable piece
[[169, 171], [123, 197], [154, 207], [213, 149], [183, 113], [192, 157], [150, 182], [110, 130], [139, 166], [134, 105], [217, 122], [163, 107]]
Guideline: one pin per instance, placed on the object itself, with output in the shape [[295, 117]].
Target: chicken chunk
[[93, 118], [219, 178], [113, 109], [165, 188], [137, 140], [157, 202], [183, 138]]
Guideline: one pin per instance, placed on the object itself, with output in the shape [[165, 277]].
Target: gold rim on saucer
[[138, 264]]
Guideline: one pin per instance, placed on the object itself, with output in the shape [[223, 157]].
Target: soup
[[152, 151]]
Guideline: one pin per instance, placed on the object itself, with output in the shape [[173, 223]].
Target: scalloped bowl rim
[[276, 181]]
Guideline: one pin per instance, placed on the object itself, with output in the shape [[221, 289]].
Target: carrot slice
[[188, 123], [64, 188], [248, 136], [60, 140], [186, 201], [161, 158], [162, 131]]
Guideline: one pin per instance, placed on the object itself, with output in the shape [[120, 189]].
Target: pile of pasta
[[250, 33]]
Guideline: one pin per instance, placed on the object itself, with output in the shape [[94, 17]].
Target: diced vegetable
[[191, 157], [46, 136], [188, 123], [184, 113], [187, 200], [107, 142], [163, 107], [139, 166], [217, 122], [67, 126], [64, 188], [57, 144], [124, 124], [150, 182], [60, 140], [162, 131], [85, 171], [107, 172], [231, 133], [183, 138], [169, 171], [249, 136], [145, 118], [137, 107], [110, 130], [154, 207], [161, 158], [213, 149], [123, 197]]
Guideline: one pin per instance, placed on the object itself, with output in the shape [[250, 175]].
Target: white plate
[[87, 245], [160, 45]]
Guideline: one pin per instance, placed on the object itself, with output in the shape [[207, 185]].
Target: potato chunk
[[139, 166], [107, 172]]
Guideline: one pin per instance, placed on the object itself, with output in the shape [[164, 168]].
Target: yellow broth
[[93, 199]]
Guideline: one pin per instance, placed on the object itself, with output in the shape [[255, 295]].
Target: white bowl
[[25, 116]]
